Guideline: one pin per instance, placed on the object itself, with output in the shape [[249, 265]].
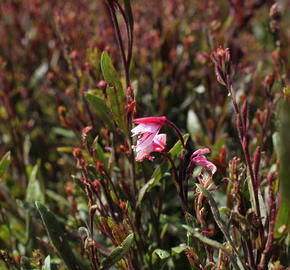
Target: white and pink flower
[[148, 139]]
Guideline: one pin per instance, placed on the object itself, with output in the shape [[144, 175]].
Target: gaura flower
[[198, 158], [158, 145], [148, 139]]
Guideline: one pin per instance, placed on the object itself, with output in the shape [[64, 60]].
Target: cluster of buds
[[221, 60]]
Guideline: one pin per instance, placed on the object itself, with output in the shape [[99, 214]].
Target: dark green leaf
[[100, 107], [117, 104], [57, 237], [118, 253], [115, 92]]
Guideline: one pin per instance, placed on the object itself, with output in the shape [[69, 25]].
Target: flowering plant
[[77, 191]]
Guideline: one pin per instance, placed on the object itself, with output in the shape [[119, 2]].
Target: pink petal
[[145, 140], [200, 152], [143, 154], [157, 145], [160, 120], [160, 141], [202, 161], [142, 128]]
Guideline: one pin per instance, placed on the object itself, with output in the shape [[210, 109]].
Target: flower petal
[[160, 141], [160, 120], [142, 128], [200, 152], [202, 161]]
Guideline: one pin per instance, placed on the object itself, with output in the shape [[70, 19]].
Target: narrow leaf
[[109, 72], [117, 104], [115, 92], [283, 149], [100, 108], [118, 253], [57, 237], [219, 221], [212, 243], [34, 192]]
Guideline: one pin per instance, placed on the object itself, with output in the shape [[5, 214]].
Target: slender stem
[[246, 154], [177, 183], [110, 5], [271, 226], [129, 34], [178, 132]]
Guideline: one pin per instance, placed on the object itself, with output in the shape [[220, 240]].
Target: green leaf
[[100, 107], [38, 75], [108, 70], [117, 104], [179, 249], [143, 191], [118, 253], [116, 95], [212, 243], [63, 132], [34, 192], [100, 153], [58, 198], [177, 149], [283, 148], [162, 254], [57, 237], [4, 163], [220, 223]]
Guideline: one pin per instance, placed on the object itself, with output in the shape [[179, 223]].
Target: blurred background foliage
[[50, 55]]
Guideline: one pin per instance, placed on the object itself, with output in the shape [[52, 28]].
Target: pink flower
[[198, 158], [148, 139], [158, 145]]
